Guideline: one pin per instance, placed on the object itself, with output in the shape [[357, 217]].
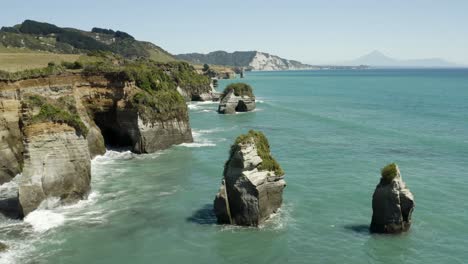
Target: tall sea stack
[[392, 203], [252, 186]]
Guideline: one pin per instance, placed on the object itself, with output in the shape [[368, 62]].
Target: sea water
[[331, 131]]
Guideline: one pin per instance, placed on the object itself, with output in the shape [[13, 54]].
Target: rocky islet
[[252, 185]]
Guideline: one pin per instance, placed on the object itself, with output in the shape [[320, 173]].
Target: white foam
[[10, 189], [44, 220], [91, 199], [202, 107], [193, 107], [208, 131], [204, 103], [197, 145], [114, 155]]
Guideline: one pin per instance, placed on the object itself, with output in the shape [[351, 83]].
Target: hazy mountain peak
[[377, 58]]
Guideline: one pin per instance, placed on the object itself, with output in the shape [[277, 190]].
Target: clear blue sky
[[306, 30]]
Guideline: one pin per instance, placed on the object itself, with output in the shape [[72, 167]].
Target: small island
[[237, 97]]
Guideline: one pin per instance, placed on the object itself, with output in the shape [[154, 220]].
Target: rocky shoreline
[[54, 157]]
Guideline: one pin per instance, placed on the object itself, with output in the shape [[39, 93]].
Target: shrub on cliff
[[62, 110], [51, 69], [72, 65], [240, 89], [39, 28], [81, 41], [184, 75], [103, 31], [263, 149], [160, 105], [389, 172], [148, 77]]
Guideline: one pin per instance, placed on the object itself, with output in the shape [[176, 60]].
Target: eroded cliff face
[[55, 156], [56, 164], [200, 93], [11, 144]]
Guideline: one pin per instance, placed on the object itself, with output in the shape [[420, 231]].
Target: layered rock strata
[[53, 145]]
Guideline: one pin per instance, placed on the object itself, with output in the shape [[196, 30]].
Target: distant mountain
[[377, 58], [253, 60], [40, 36]]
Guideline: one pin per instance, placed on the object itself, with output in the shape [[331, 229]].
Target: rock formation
[[11, 144], [52, 126], [392, 203], [56, 164], [252, 186], [3, 247], [201, 94], [237, 97]]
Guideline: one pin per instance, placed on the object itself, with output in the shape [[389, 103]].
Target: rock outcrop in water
[[52, 126], [202, 93], [252, 186], [392, 203], [237, 97], [56, 164], [3, 247]]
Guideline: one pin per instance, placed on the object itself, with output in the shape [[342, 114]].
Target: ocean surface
[[331, 131]]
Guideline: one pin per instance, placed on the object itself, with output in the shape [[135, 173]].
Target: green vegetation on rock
[[51, 69], [158, 98], [39, 36], [240, 89], [168, 105], [72, 65], [389, 172], [263, 149], [62, 110]]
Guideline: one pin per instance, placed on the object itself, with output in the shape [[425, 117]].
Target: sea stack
[[252, 186], [392, 203], [237, 97]]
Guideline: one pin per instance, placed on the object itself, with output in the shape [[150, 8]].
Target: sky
[[316, 32]]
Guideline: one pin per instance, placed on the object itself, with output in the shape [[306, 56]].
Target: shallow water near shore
[[330, 130]]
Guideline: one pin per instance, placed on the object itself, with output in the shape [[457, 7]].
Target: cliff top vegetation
[[240, 89], [389, 172], [263, 149]]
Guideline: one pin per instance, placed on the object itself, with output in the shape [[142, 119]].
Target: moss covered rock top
[[62, 110], [240, 89], [263, 149], [389, 172]]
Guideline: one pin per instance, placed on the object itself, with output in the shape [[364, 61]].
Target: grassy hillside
[[17, 60], [44, 37]]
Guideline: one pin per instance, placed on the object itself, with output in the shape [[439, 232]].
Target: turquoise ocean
[[331, 131]]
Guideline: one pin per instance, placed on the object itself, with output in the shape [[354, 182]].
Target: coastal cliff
[[250, 60], [51, 126]]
